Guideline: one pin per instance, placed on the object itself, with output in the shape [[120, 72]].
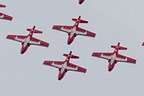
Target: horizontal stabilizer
[[80, 20], [34, 30], [72, 56], [119, 47]]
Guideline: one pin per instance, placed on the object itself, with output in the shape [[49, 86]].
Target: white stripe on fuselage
[[113, 58], [26, 41], [72, 32], [63, 67]]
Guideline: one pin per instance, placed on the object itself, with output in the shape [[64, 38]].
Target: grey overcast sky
[[112, 20]]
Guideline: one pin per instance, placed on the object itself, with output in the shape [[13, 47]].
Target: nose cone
[[22, 51], [69, 42], [81, 1], [60, 77], [70, 39], [109, 69]]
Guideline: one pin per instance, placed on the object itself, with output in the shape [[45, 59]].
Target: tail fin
[[2, 6], [34, 30], [80, 20], [71, 55], [118, 46]]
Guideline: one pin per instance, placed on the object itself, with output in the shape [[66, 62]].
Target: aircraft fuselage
[[26, 43], [112, 61], [71, 35], [63, 69]]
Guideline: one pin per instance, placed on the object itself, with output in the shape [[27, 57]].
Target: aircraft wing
[[35, 41], [18, 38], [56, 64], [72, 67], [66, 29], [3, 6], [104, 55], [83, 32], [122, 58], [5, 17]]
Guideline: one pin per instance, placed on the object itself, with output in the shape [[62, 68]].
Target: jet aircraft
[[4, 16], [114, 57], [27, 40], [74, 30], [65, 65]]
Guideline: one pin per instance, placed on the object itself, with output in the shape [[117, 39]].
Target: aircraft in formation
[[114, 57], [4, 16], [28, 40], [65, 65], [74, 30]]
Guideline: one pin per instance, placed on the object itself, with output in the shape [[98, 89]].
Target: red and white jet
[[65, 66], [81, 1], [114, 57], [74, 30], [4, 16], [27, 40]]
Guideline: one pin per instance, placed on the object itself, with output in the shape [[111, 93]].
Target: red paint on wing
[[91, 34], [56, 27], [96, 54], [42, 43], [88, 33], [49, 63], [11, 37], [80, 69], [121, 56], [131, 60], [2, 5], [6, 17]]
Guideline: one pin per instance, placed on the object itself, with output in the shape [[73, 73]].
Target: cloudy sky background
[[113, 21]]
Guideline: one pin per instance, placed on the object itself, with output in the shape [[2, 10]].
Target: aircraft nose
[[81, 1], [22, 52], [59, 77], [68, 42], [110, 69]]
